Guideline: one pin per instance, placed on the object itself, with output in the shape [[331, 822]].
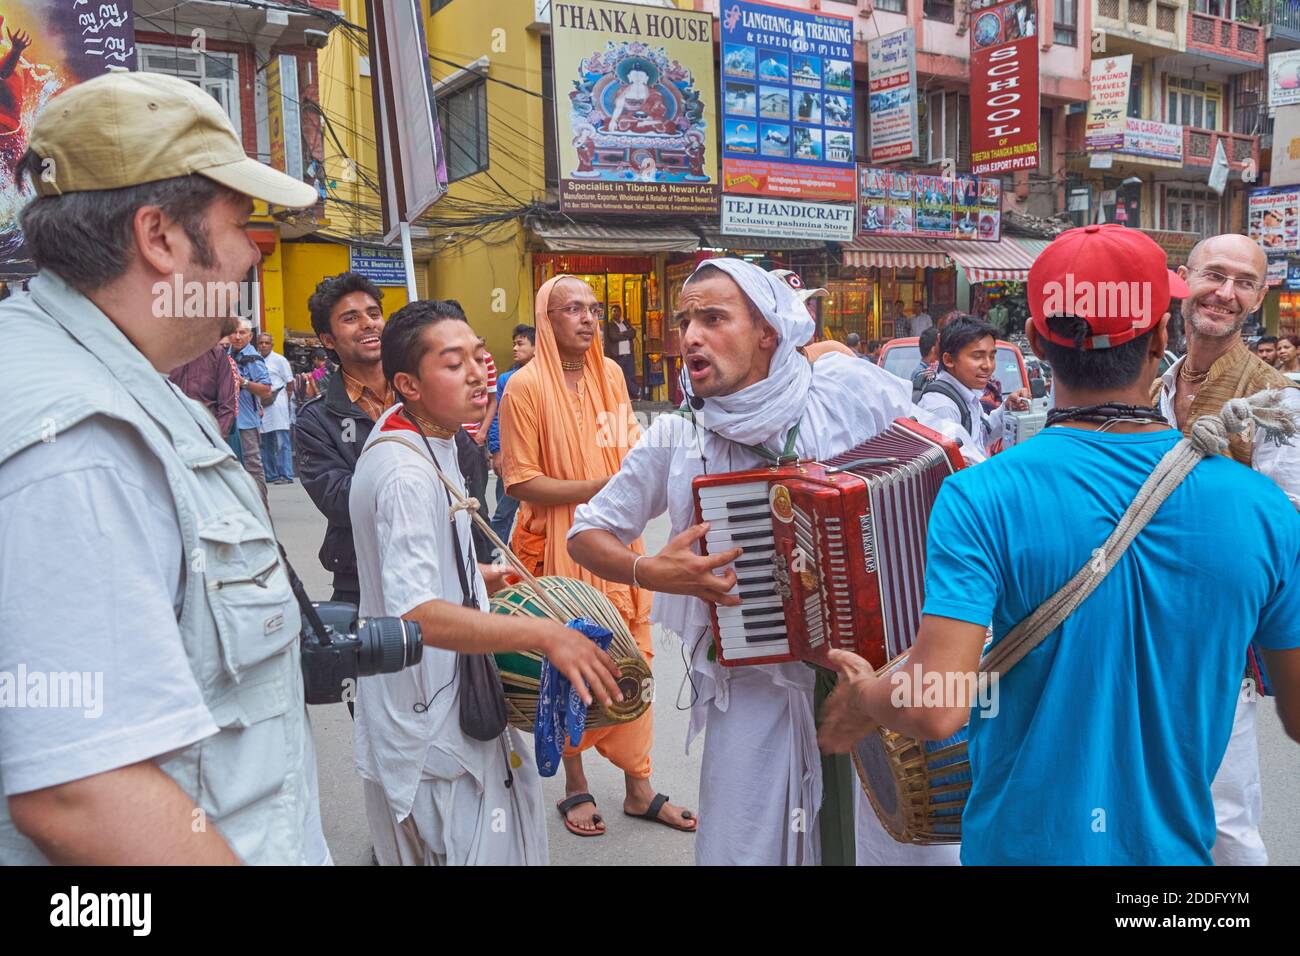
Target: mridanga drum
[[521, 670]]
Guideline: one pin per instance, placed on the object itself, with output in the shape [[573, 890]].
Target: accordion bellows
[[833, 552]]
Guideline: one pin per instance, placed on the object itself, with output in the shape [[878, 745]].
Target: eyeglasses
[[1248, 286], [577, 310]]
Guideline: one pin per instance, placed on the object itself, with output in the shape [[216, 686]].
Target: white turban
[[766, 409]]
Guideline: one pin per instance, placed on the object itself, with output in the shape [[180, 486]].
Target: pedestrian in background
[[208, 381], [277, 448], [524, 342], [471, 448], [619, 335], [254, 389], [332, 428]]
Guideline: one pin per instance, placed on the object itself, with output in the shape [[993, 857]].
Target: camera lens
[[388, 644]]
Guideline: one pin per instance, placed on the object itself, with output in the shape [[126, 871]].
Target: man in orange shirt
[[564, 433]]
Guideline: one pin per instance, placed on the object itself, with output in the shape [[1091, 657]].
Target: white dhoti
[[462, 822], [1238, 794], [760, 775]]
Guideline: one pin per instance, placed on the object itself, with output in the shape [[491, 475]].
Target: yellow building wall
[[305, 264], [490, 274]]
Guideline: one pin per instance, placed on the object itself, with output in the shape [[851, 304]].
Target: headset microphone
[[695, 401]]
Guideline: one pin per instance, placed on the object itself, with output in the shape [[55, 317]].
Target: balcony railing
[[1145, 15], [1283, 14], [1199, 146], [1239, 40]]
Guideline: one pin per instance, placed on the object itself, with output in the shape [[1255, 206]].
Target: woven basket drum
[[521, 671], [917, 788]]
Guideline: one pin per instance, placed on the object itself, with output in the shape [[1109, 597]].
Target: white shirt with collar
[[988, 426], [1279, 462]]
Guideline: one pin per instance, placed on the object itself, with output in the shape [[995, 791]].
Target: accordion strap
[[1208, 436]]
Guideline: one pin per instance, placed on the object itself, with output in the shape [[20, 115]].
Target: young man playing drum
[[434, 795], [1108, 733], [748, 388]]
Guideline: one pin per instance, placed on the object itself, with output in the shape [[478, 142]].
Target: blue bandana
[[560, 711]]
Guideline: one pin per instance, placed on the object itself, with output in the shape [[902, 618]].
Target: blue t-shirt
[[494, 430], [1108, 734], [252, 367]]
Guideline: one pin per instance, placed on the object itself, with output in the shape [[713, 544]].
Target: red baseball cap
[[1115, 278]]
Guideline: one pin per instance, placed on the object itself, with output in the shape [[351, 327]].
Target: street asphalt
[[631, 841]]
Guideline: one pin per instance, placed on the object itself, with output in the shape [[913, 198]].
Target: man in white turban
[[753, 397]]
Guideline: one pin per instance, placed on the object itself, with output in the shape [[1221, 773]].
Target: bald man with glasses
[[1225, 278]]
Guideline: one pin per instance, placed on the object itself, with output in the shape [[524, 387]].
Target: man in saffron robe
[[564, 432]]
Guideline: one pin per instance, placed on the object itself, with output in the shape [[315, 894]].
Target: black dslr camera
[[345, 647], [338, 647]]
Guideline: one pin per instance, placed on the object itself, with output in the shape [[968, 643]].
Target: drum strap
[[1207, 437]]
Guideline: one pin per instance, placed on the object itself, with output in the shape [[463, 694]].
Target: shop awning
[[614, 240], [1007, 260], [896, 252]]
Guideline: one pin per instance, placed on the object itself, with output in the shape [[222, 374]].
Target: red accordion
[[833, 552]]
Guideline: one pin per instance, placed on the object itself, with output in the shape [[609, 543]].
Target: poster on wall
[[934, 206], [1273, 218], [1108, 105], [635, 112], [1004, 87], [886, 199], [894, 202], [47, 46], [787, 103], [891, 72]]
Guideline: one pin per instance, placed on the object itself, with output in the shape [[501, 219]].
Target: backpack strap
[[950, 393]]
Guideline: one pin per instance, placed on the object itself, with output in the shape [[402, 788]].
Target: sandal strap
[[577, 800]]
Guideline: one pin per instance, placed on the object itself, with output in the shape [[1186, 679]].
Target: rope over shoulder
[[1208, 437]]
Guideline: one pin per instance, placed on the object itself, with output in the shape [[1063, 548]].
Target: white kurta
[[433, 795], [760, 786], [1237, 790], [985, 428]]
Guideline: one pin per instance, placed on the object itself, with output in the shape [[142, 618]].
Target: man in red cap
[[1225, 279], [1100, 745]]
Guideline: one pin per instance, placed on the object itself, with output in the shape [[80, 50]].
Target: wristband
[[635, 583]]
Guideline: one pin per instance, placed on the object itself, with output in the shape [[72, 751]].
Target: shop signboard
[[1283, 79], [896, 202], [891, 84], [1273, 218], [380, 265], [1152, 139], [787, 218], [1004, 87], [635, 113], [787, 103], [1108, 103]]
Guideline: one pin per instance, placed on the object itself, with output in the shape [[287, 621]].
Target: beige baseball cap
[[126, 129], [791, 278]]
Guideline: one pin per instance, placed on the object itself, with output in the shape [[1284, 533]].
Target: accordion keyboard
[[740, 516]]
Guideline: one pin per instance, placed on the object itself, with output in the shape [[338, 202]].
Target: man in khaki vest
[[1225, 279]]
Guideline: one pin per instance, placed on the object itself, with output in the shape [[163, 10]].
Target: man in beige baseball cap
[[130, 530]]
